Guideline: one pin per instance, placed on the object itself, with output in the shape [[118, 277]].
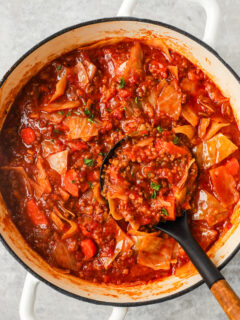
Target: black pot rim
[[65, 30]]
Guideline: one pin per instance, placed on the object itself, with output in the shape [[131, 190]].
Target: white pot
[[64, 41]]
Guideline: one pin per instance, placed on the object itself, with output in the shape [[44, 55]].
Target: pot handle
[[26, 306], [212, 17]]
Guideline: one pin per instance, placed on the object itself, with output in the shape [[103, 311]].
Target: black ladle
[[179, 230]]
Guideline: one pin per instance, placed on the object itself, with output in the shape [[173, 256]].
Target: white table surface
[[24, 23]]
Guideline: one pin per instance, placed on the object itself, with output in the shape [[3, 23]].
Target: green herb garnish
[[77, 113], [90, 120], [136, 100], [57, 131], [154, 195], [122, 83], [88, 162], [102, 154], [73, 181], [124, 108], [90, 185], [84, 103], [155, 186], [88, 113], [61, 112], [164, 211], [175, 140], [149, 174], [68, 113], [159, 129], [52, 140], [59, 67]]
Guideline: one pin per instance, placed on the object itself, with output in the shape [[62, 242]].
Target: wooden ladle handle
[[227, 299]]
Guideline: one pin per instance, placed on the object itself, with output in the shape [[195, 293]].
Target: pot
[[198, 52]]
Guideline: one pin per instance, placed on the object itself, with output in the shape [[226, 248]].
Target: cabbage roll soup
[[185, 156]]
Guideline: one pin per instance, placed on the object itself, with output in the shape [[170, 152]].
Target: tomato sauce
[[67, 118]]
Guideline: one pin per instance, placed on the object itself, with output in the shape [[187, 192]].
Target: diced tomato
[[232, 166], [28, 135], [93, 176], [70, 182], [170, 147], [89, 248], [124, 93], [224, 186], [37, 216], [78, 146], [84, 186], [84, 231], [171, 209]]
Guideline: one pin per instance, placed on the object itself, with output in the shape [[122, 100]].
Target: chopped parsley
[[77, 113], [88, 162], [136, 100], [57, 131], [73, 181], [149, 174], [122, 83], [88, 113], [109, 110], [61, 112], [102, 154], [52, 140], [59, 67], [84, 103], [124, 108], [155, 186], [175, 140], [68, 114], [90, 185], [164, 211], [159, 129], [154, 194]]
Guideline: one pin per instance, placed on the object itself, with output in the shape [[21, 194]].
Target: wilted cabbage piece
[[123, 244], [188, 130], [214, 128], [169, 102], [60, 88], [155, 252], [58, 161], [80, 127], [55, 106], [203, 125], [209, 209], [189, 114], [224, 186], [214, 150]]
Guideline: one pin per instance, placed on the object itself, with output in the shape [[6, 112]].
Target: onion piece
[[188, 130], [97, 194], [41, 176], [73, 226], [203, 125], [55, 106], [189, 115], [214, 128], [60, 88]]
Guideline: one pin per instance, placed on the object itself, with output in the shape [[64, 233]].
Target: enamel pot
[[197, 51]]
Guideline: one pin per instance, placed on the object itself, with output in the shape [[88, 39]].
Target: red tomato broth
[[104, 94]]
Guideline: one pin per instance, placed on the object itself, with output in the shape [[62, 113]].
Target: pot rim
[[35, 47]]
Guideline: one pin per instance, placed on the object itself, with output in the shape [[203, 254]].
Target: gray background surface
[[26, 22]]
